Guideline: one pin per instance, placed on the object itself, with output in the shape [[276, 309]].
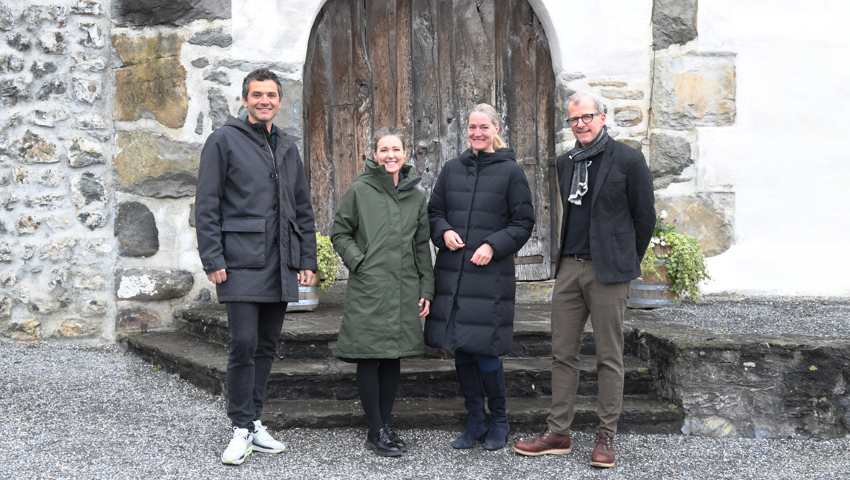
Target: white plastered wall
[[784, 158]]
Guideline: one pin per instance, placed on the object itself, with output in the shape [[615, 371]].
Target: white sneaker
[[263, 441], [239, 448]]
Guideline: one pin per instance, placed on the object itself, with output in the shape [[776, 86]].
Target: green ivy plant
[[328, 261], [684, 260]]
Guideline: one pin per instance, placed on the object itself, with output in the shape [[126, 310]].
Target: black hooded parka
[[253, 214], [485, 199]]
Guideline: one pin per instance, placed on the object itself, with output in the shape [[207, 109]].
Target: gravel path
[[74, 411]]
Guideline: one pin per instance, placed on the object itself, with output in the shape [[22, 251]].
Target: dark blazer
[[254, 217], [484, 199], [622, 214]]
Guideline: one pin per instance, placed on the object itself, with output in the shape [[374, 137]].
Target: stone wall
[[758, 386], [106, 104], [55, 182]]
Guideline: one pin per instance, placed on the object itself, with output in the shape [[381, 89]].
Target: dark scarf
[[581, 160]]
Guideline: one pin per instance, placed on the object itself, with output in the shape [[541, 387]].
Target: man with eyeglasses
[[609, 216]]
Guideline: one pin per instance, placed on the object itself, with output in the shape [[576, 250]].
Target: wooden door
[[421, 65]]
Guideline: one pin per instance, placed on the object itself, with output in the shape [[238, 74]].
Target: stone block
[[7, 20], [40, 69], [130, 319], [86, 90], [618, 94], [168, 12], [51, 177], [93, 220], [136, 231], [73, 328], [88, 188], [152, 285], [52, 43], [669, 156], [5, 308], [25, 331], [88, 280], [19, 42], [708, 217], [84, 62], [219, 109], [87, 7], [55, 87], [8, 280], [82, 153], [673, 22], [217, 76], [156, 166], [37, 17], [92, 307], [94, 37], [5, 252], [152, 82], [32, 149], [627, 116], [12, 91], [90, 121], [27, 224], [11, 64], [694, 91], [58, 250], [212, 38], [48, 118]]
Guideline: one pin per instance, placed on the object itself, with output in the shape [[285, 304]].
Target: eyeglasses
[[587, 118]]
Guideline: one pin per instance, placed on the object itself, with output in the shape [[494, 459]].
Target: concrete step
[[314, 334], [639, 415], [204, 363]]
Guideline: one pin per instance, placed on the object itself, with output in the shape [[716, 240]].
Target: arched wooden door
[[420, 65]]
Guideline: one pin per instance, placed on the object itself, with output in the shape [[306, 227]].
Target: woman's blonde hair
[[494, 117]]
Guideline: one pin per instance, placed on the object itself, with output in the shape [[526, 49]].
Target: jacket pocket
[[244, 242], [294, 260]]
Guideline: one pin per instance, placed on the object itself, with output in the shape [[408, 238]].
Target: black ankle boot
[[393, 436], [381, 444]]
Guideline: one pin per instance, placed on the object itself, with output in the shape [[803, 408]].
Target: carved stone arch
[[421, 65]]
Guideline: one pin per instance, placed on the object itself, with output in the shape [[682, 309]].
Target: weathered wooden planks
[[421, 65]]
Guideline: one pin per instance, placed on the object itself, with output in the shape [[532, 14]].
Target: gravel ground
[[73, 411]]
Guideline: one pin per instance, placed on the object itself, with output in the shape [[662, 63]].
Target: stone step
[[203, 363], [314, 334], [639, 415]]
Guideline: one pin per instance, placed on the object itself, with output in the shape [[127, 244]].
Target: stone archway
[[421, 65]]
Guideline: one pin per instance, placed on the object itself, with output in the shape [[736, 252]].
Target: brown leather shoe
[[547, 442], [603, 451]]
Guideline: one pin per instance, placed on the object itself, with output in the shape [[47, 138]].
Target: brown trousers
[[578, 294]]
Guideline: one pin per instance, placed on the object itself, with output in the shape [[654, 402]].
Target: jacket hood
[[500, 155], [376, 176], [255, 130]]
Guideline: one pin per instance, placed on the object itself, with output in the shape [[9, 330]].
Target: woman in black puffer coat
[[481, 215]]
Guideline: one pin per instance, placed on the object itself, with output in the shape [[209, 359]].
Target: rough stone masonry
[[105, 107]]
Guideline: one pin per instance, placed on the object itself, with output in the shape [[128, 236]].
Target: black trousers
[[254, 331]]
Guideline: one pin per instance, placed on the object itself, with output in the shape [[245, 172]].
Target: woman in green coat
[[381, 233]]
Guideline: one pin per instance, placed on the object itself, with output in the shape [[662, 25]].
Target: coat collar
[[606, 160], [501, 155]]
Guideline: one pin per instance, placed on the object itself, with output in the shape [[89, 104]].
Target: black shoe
[[399, 443], [381, 444]]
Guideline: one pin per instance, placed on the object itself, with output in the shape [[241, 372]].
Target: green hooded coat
[[381, 233]]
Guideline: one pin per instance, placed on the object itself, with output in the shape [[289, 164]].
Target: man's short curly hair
[[259, 75]]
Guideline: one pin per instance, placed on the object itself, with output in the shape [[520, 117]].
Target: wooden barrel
[[644, 294], [653, 291], [308, 298]]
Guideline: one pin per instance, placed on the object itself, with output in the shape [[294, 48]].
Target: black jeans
[[254, 331]]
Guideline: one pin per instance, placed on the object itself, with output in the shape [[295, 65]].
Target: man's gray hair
[[596, 99]]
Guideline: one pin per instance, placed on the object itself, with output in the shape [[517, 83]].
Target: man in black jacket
[[609, 216], [256, 239]]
